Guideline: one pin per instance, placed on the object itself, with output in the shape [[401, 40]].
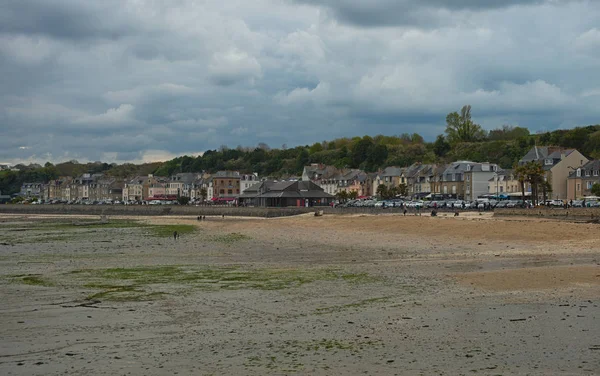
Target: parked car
[[502, 204]]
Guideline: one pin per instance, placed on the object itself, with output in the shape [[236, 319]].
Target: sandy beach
[[305, 295]]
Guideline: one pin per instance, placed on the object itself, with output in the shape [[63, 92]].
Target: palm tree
[[532, 173]]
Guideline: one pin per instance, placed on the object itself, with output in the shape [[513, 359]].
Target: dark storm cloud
[[64, 19], [421, 13]]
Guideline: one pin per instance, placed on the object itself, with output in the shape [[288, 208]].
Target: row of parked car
[[459, 204]]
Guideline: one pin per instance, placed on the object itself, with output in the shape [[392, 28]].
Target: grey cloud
[[420, 13], [64, 19], [142, 79]]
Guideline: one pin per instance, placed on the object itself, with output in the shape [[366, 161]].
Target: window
[[578, 172], [595, 172], [229, 191], [468, 167], [578, 187], [454, 189], [588, 173], [501, 189], [548, 162], [453, 177], [590, 184], [468, 177]]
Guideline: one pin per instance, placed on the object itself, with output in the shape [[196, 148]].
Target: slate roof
[[319, 172], [593, 165], [392, 171], [285, 189], [227, 174], [535, 154], [185, 177]]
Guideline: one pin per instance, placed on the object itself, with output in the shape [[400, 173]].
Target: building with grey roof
[[271, 193], [582, 179]]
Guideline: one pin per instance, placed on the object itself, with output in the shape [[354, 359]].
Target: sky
[[147, 80]]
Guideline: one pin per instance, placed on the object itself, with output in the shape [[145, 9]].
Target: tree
[[360, 151], [441, 147], [536, 178], [342, 196], [532, 173], [353, 195], [521, 174], [460, 128], [382, 191], [302, 160], [377, 156], [315, 148], [403, 190], [182, 200], [508, 132], [596, 189], [203, 193]]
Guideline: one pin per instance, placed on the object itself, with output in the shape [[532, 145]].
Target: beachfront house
[[581, 180], [558, 163]]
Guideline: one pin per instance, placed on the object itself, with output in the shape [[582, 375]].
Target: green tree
[[507, 133], [402, 190], [315, 148], [377, 156], [382, 191], [353, 195], [596, 189], [302, 160], [182, 200], [441, 147], [460, 128], [521, 175], [203, 193], [360, 151], [532, 173], [342, 196]]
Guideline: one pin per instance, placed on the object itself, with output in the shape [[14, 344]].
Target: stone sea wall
[[574, 213]]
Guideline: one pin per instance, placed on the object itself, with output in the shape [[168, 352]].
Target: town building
[[181, 185], [271, 193], [476, 179], [247, 181], [392, 177], [325, 177], [505, 182], [225, 184], [557, 163], [581, 180], [139, 188], [467, 180], [33, 190]]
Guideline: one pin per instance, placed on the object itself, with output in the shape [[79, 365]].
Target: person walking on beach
[[175, 235]]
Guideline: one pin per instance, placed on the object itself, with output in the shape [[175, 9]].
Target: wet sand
[[331, 295]]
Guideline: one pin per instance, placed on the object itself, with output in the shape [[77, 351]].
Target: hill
[[504, 146]]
